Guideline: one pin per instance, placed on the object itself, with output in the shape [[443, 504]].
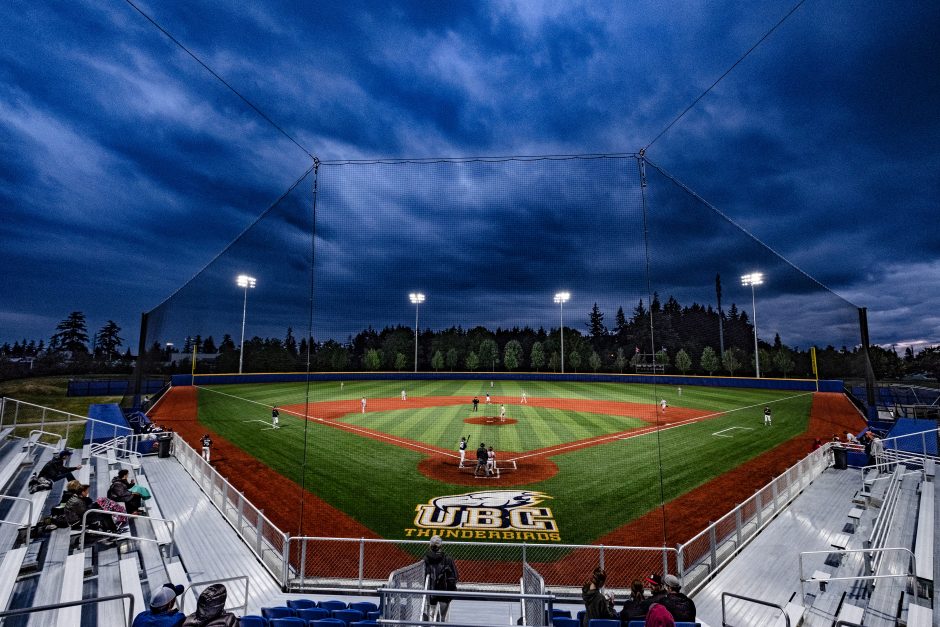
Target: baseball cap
[[655, 579], [65, 453], [436, 541], [671, 581], [163, 597]]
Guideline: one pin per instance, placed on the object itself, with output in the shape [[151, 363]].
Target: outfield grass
[[52, 392], [596, 490]]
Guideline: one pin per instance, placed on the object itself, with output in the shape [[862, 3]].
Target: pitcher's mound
[[489, 420]]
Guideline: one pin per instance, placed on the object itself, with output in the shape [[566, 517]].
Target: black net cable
[[730, 221], [728, 71], [220, 79], [244, 232], [306, 417]]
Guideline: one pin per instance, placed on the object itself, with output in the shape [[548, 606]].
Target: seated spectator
[[210, 609], [120, 492], [658, 616], [657, 592], [75, 509], [56, 469], [635, 600], [162, 612], [679, 605], [597, 603]]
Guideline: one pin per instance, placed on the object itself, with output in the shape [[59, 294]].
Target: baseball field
[[577, 461]]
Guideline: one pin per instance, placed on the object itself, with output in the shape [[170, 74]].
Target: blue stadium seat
[[637, 623], [603, 622], [565, 621], [327, 622], [581, 616], [313, 613], [348, 616], [277, 612], [287, 621], [364, 606], [301, 604], [363, 623], [253, 621], [376, 615], [560, 613], [332, 605]]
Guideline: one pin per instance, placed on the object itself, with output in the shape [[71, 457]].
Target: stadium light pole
[[246, 282], [416, 299], [561, 298], [753, 279]]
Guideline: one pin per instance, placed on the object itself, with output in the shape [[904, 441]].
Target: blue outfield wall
[[801, 385]]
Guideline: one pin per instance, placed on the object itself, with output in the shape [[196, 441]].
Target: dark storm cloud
[[125, 168]]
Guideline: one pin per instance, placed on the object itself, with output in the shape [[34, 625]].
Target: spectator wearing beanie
[[679, 605]]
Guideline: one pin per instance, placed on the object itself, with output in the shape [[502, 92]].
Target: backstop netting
[[551, 290]]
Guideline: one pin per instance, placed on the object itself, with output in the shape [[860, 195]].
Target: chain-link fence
[[533, 610]]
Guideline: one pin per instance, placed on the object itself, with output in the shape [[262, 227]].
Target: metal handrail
[[912, 574], [56, 606], [39, 432], [243, 607], [108, 534], [29, 519], [786, 617]]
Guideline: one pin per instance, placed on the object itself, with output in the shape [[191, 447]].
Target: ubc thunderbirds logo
[[487, 515]]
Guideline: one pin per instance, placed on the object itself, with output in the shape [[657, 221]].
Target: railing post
[[773, 491], [258, 533], [362, 559], [737, 527], [712, 549], [303, 561], [285, 562], [760, 508], [601, 556], [680, 563], [524, 556], [241, 512], [224, 498]]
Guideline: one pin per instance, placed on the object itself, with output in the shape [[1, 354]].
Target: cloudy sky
[[125, 167]]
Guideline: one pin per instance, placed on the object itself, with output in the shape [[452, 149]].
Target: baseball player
[[767, 420], [476, 403], [275, 418], [502, 413], [404, 395], [487, 398], [490, 462], [462, 447], [206, 445], [363, 402], [662, 404], [524, 400]]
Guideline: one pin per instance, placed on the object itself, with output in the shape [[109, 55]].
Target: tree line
[[661, 337]]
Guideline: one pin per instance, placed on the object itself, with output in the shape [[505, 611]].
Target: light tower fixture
[[416, 299], [560, 299], [753, 279], [246, 282]]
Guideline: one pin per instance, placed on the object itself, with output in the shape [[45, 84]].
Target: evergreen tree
[[783, 360], [71, 334], [594, 361], [208, 346], [554, 361], [488, 353], [400, 361], [108, 341], [620, 321], [595, 324], [290, 342], [574, 360]]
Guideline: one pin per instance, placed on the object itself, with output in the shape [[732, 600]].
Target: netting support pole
[[869, 373], [141, 356]]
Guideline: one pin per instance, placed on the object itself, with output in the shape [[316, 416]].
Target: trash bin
[[163, 444], [840, 457]]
